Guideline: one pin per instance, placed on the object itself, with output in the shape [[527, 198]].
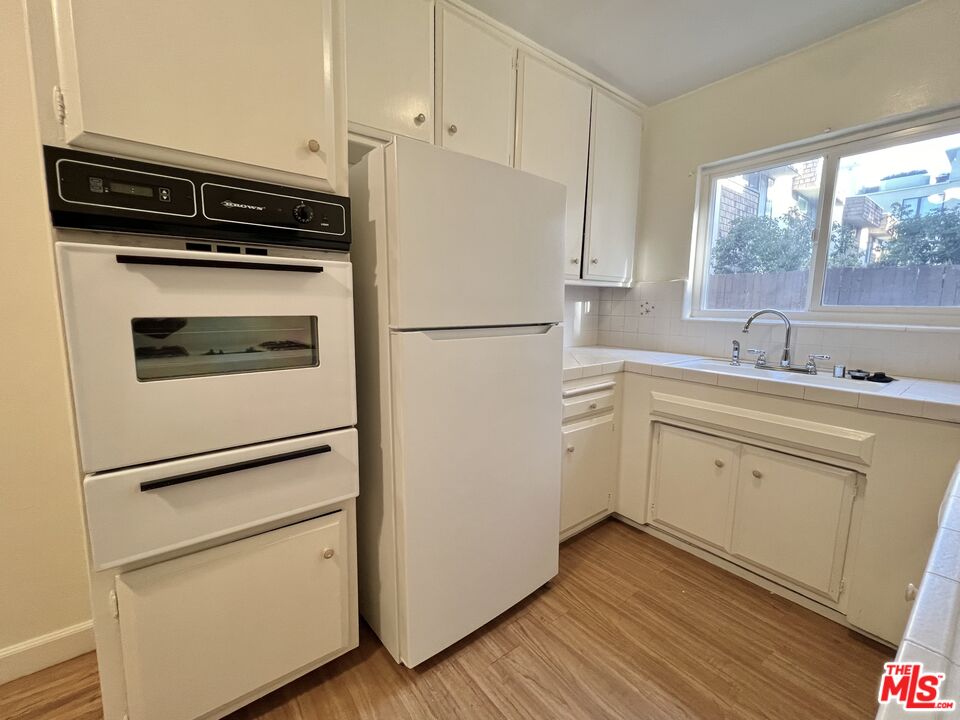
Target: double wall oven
[[209, 323]]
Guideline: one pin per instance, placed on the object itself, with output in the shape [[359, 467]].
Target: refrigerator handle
[[468, 333]]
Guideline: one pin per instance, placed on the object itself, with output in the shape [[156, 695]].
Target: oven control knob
[[303, 213]]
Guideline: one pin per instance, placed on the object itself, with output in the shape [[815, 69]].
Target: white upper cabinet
[[390, 66], [613, 189], [554, 140], [477, 88], [236, 86]]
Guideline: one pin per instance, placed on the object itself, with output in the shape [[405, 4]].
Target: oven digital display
[[130, 189]]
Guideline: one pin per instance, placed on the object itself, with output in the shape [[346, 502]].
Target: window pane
[[167, 348], [761, 238], [895, 238]]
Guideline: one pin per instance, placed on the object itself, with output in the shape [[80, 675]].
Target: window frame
[[832, 147]]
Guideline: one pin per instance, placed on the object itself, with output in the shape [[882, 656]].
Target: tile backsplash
[[649, 316], [581, 314]]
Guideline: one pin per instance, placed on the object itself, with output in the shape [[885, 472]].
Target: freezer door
[[473, 243], [477, 429]]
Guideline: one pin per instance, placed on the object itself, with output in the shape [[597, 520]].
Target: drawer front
[[205, 630], [134, 514], [580, 405]]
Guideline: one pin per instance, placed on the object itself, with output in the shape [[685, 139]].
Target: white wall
[[44, 606], [902, 63]]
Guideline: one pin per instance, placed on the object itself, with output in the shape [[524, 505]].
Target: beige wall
[[43, 581], [902, 63]]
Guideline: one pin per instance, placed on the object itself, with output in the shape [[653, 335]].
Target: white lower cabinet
[[792, 517], [202, 631], [783, 516], [692, 491], [589, 470]]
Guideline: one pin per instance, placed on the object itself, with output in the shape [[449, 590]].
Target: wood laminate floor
[[631, 628]]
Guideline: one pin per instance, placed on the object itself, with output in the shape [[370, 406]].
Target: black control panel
[[100, 192]]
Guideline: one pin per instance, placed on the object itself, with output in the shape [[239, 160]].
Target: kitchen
[[478, 328]]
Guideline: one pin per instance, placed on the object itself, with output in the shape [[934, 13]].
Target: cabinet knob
[[570, 448], [593, 406], [328, 553], [420, 119], [313, 146], [452, 129], [911, 593], [574, 261], [757, 474], [719, 463], [594, 261]]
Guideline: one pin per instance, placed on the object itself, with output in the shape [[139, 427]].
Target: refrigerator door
[[473, 243], [477, 432]]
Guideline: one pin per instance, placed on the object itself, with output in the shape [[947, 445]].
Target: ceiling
[[658, 49]]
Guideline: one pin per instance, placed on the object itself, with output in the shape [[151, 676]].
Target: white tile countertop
[[931, 399], [932, 636]]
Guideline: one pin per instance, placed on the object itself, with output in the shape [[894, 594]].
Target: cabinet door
[[792, 517], [228, 81], [477, 89], [554, 140], [613, 190], [589, 470], [204, 630], [390, 66], [693, 483]]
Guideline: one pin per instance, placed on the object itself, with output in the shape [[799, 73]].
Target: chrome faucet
[[785, 358]]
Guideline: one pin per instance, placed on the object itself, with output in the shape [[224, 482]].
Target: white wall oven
[[233, 335]]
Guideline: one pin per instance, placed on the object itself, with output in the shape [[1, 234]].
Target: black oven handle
[[204, 263], [232, 468]]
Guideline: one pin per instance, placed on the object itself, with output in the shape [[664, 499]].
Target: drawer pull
[[719, 463], [232, 468], [570, 448], [587, 389], [757, 474], [328, 553], [593, 406]]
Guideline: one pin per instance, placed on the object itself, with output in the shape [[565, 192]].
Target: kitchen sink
[[823, 379]]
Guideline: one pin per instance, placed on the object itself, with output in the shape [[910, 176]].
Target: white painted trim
[[830, 440], [46, 650]]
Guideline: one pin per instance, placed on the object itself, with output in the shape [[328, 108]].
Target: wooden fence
[[922, 285]]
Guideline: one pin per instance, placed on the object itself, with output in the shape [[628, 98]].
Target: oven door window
[[179, 347]]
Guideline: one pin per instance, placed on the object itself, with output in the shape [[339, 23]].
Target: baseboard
[[42, 652]]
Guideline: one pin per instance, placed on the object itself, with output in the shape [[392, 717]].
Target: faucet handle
[[812, 362], [761, 356]]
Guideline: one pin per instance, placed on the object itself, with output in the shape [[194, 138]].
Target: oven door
[[176, 352]]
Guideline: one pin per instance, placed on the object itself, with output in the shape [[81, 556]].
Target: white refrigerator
[[458, 284]]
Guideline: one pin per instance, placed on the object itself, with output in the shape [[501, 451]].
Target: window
[[761, 237], [167, 348], [886, 244]]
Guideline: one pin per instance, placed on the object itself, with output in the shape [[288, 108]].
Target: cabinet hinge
[[114, 605], [843, 585], [59, 105]]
